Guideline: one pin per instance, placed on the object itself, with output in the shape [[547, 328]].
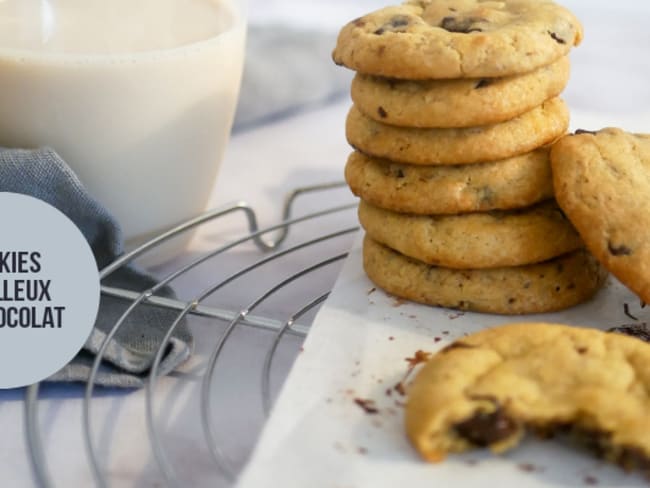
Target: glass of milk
[[137, 96]]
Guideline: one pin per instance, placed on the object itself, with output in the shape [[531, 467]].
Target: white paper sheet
[[318, 436]]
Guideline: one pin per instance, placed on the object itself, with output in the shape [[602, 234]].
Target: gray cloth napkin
[[44, 175]]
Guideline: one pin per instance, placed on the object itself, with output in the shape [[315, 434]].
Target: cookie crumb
[[418, 358]]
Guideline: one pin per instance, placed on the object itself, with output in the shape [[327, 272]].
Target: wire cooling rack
[[270, 249]]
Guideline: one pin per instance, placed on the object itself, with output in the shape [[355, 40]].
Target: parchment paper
[[319, 435]]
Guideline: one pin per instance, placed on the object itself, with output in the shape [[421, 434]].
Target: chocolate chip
[[633, 457], [463, 26], [582, 350], [618, 250], [582, 131], [640, 331], [399, 173], [484, 429], [360, 22], [382, 113], [482, 83], [556, 38], [399, 21], [396, 24]]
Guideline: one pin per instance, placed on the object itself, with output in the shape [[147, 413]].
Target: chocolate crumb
[[362, 450], [389, 392], [372, 290], [626, 311], [618, 250], [391, 338], [590, 480], [482, 83], [640, 331], [445, 332], [382, 113], [471, 462], [437, 339], [399, 388], [556, 38], [367, 406], [527, 467]]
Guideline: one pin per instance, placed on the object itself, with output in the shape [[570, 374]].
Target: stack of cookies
[[455, 104]]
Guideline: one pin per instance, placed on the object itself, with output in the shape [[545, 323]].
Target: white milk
[[137, 96]]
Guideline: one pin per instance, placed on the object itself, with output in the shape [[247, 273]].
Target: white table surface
[[609, 87]]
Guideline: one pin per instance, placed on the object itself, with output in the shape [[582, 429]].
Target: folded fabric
[[44, 175]]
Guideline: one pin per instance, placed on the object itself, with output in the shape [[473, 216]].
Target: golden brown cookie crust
[[602, 182], [540, 376], [545, 287], [475, 240], [520, 135], [458, 39], [457, 103], [516, 182]]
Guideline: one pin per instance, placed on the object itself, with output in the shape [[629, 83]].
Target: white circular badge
[[49, 290]]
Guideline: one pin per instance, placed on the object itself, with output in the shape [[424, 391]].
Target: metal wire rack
[[271, 249]]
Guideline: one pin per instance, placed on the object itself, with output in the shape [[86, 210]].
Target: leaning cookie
[[476, 240], [602, 180], [487, 389], [545, 287], [458, 39], [520, 135], [515, 182], [457, 103]]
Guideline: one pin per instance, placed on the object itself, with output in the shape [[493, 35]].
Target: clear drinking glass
[[138, 97]]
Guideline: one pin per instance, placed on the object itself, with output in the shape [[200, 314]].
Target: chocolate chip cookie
[[516, 182], [475, 240], [457, 103], [487, 389], [602, 180], [426, 39], [536, 288], [520, 135]]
